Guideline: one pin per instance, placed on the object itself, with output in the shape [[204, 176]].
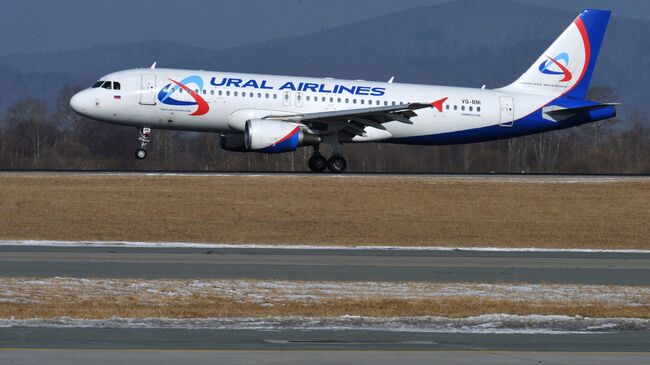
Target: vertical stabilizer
[[566, 67]]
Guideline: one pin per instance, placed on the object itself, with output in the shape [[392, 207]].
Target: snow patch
[[280, 246], [489, 324]]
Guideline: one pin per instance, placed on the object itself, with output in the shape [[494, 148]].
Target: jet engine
[[269, 136]]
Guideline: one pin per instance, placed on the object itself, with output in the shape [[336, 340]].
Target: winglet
[[153, 66], [391, 80], [438, 104]]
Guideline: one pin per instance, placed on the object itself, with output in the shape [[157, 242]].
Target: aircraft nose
[[80, 102]]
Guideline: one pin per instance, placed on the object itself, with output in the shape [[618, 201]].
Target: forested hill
[[466, 43]]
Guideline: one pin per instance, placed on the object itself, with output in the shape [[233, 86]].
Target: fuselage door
[[507, 111], [299, 98], [148, 90], [286, 98]]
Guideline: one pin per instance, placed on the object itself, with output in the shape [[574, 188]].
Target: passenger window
[[331, 100], [308, 98], [98, 84], [117, 86], [363, 101], [236, 94], [227, 93], [275, 96], [447, 107], [324, 99], [378, 102], [251, 95], [267, 95], [347, 101], [470, 108], [338, 100], [386, 102], [107, 85], [204, 92], [220, 93], [462, 108], [478, 108], [354, 101], [259, 95], [455, 107]]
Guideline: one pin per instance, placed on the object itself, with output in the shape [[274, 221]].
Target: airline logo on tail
[[554, 66], [165, 95]]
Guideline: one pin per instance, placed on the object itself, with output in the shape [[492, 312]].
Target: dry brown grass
[[23, 298], [326, 211], [219, 307]]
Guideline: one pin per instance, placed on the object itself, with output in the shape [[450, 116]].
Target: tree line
[[37, 135]]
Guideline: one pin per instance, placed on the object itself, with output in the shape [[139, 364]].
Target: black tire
[[141, 154], [318, 163], [337, 164]]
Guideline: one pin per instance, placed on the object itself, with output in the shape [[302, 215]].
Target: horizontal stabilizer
[[557, 113]]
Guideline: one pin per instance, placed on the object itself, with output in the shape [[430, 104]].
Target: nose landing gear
[[145, 134]]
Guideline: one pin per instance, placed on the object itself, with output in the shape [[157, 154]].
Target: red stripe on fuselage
[[202, 105]]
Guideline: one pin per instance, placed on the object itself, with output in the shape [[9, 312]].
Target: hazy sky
[[47, 25]]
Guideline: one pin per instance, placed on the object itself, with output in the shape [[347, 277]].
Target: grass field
[[22, 298], [327, 210]]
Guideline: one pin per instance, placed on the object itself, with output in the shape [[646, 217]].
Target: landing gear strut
[[145, 134]]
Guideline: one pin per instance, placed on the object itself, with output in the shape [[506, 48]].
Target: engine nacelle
[[271, 136]]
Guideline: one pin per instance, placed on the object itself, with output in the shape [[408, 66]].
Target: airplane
[[276, 114]]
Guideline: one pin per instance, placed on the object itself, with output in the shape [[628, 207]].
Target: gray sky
[[46, 25]]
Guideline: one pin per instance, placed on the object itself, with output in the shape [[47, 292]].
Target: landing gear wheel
[[144, 139], [141, 154], [318, 163], [337, 164]]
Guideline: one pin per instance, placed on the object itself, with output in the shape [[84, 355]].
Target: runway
[[170, 345], [598, 268], [140, 346], [486, 176]]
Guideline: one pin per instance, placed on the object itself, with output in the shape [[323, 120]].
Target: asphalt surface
[[20, 345], [170, 346], [147, 357], [335, 265], [524, 177]]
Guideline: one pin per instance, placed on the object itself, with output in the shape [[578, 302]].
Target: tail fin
[[566, 67]]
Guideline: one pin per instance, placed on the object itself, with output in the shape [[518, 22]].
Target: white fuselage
[[232, 102]]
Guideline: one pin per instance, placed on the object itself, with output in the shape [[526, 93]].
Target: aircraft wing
[[356, 120]]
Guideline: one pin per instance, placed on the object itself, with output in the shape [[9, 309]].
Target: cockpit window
[[98, 84], [107, 85], [116, 85]]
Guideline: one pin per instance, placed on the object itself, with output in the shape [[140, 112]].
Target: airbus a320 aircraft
[[274, 114]]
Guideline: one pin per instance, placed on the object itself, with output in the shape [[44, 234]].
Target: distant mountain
[[465, 43]]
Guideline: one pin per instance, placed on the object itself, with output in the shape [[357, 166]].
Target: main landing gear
[[145, 134], [336, 163]]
